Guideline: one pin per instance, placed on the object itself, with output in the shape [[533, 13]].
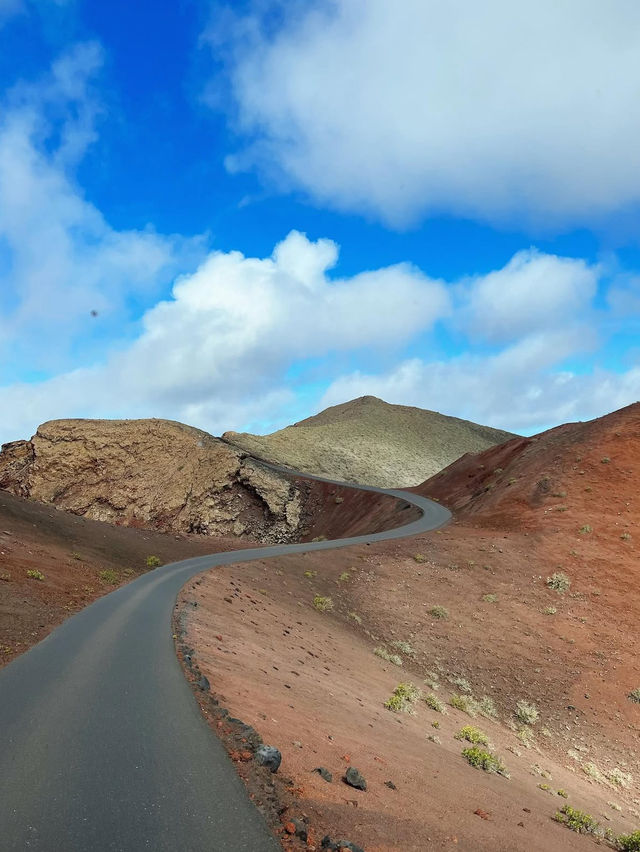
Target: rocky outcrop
[[157, 474]]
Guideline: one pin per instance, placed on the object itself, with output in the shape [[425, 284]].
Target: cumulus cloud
[[534, 291], [59, 258], [491, 110], [518, 389], [215, 354]]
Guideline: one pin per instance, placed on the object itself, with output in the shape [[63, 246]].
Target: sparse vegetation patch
[[403, 698], [439, 612], [434, 703], [526, 712], [576, 820], [109, 576], [466, 703], [472, 735], [559, 582], [482, 759], [629, 842], [385, 655], [322, 604], [634, 695], [34, 574], [153, 562]]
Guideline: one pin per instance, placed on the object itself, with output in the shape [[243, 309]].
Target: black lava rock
[[335, 845], [390, 785], [301, 828], [324, 773], [269, 756], [204, 684], [354, 779]]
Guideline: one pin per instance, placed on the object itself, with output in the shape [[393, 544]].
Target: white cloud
[[216, 353], [489, 109], [59, 258], [516, 390], [534, 291]]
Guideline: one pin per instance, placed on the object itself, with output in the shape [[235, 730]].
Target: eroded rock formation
[[157, 474]]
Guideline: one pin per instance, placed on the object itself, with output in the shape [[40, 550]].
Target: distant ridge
[[372, 442]]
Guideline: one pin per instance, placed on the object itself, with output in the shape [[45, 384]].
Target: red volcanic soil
[[564, 502], [72, 551]]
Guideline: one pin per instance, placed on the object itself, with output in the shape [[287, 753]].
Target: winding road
[[102, 745]]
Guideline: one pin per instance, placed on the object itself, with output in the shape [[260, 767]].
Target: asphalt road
[[102, 744]]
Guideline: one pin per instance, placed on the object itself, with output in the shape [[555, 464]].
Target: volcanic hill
[[519, 618], [371, 442]]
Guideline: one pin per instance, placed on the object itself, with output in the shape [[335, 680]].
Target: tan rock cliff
[[151, 473]]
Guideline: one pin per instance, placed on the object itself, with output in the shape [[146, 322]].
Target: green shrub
[[487, 707], [526, 713], [472, 735], [439, 612], [559, 581], [322, 604], [629, 842], [385, 655], [419, 557], [403, 698], [466, 703], [35, 575], [310, 574], [153, 562], [482, 759], [434, 703], [109, 576], [577, 820], [344, 576], [634, 695], [490, 598], [585, 529]]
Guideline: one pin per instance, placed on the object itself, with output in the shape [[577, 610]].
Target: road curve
[[102, 745]]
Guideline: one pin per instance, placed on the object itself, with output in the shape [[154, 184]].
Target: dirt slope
[[371, 442], [79, 560], [564, 502]]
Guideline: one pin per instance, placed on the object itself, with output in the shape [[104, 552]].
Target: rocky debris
[[390, 785], [339, 845], [157, 474], [298, 828], [204, 684], [324, 773], [355, 779], [269, 756], [371, 442]]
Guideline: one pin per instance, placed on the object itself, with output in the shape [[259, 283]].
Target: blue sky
[[235, 215]]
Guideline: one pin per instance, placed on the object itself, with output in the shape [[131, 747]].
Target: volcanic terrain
[[523, 613], [371, 442]]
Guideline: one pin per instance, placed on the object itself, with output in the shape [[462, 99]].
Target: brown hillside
[[564, 502], [371, 442]]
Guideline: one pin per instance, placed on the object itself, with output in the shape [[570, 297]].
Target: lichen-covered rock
[[157, 474]]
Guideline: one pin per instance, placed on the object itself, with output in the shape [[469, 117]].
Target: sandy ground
[[310, 683]]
